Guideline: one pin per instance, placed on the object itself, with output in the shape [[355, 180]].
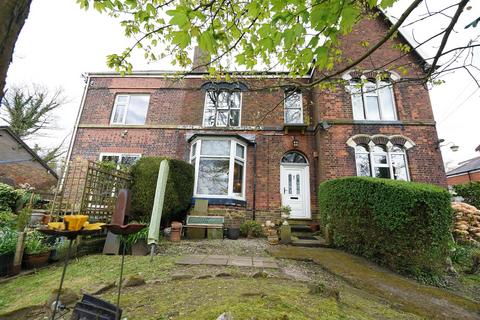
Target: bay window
[[219, 167], [381, 161], [372, 100]]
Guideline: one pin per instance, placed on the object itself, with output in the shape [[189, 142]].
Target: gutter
[[254, 207]]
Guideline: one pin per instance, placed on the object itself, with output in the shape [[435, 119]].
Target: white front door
[[295, 190]]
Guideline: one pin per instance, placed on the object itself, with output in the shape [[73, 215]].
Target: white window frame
[[216, 108], [388, 154], [124, 118], [373, 93], [120, 155], [285, 107], [195, 159]]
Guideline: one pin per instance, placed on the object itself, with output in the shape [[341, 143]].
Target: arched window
[[294, 157], [380, 161], [372, 99]]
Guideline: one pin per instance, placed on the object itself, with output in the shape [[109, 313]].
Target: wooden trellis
[[89, 188]]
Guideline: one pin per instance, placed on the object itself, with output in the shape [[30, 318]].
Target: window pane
[[137, 109], [122, 99], [382, 172], [289, 184], [119, 112], [372, 108], [213, 176], [386, 99], [298, 183], [234, 100], [396, 148], [234, 118], [111, 159], [363, 165], [128, 160], [216, 147], [379, 148], [361, 148], [209, 117], [399, 167], [240, 151], [357, 105], [293, 116], [380, 159], [293, 157], [238, 177], [293, 100], [194, 150], [222, 118]]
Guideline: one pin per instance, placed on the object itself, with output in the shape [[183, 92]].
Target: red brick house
[[256, 149], [467, 171]]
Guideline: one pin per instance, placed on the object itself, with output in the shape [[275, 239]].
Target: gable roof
[[34, 155], [465, 167]]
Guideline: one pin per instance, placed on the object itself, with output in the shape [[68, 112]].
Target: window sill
[[222, 201], [378, 122], [294, 127]]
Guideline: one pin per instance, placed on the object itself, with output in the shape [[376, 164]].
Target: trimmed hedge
[[178, 194], [404, 226], [470, 192]]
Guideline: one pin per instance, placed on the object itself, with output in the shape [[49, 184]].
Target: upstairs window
[[372, 100], [222, 108], [293, 107], [379, 161], [130, 109]]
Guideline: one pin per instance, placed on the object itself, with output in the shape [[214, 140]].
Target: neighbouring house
[[19, 164], [256, 149], [467, 171]]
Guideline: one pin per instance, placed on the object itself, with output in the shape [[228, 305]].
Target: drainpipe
[[254, 179]]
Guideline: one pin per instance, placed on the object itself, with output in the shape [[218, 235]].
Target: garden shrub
[[470, 192], [178, 194], [8, 240], [404, 226], [251, 228], [8, 197]]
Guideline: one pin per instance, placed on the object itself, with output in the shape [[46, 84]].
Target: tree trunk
[[13, 14]]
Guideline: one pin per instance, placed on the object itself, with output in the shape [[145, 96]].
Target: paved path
[[426, 301], [239, 261]]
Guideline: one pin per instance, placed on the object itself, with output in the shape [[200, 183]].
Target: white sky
[[60, 41]]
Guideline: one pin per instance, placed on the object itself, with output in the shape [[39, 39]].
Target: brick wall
[[27, 172], [176, 111], [463, 178]]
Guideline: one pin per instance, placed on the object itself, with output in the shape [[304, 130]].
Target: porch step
[[317, 242], [303, 228]]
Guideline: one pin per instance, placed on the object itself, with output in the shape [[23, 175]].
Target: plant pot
[[36, 218], [36, 260], [140, 248], [233, 233], [6, 263]]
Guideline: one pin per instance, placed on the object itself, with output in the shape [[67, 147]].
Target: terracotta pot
[[176, 231], [6, 264], [36, 260]]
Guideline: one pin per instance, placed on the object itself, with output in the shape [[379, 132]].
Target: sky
[[60, 42]]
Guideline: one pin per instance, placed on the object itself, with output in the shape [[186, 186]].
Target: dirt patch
[[240, 247]]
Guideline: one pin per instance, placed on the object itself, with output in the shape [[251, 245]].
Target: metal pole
[[117, 312], [61, 280]]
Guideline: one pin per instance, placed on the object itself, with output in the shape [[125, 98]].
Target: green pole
[[154, 228]]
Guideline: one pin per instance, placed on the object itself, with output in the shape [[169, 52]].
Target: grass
[[244, 297]]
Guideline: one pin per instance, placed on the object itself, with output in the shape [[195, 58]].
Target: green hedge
[[8, 197], [404, 226], [179, 189], [470, 192]]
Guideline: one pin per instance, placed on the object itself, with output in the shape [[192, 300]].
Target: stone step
[[315, 242], [301, 228]]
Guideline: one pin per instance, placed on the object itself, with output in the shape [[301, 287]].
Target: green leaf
[[181, 38]]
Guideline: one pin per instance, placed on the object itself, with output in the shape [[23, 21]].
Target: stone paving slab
[[221, 260]]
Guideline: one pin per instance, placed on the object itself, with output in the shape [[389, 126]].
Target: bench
[[197, 226]]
